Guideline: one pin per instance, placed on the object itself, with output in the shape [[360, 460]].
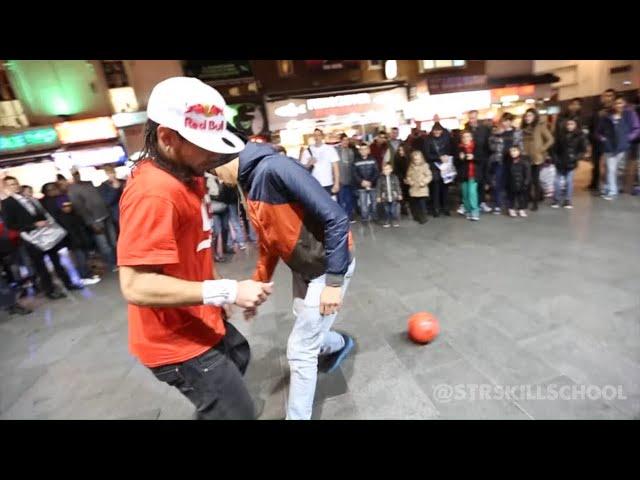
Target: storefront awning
[[334, 90], [522, 80]]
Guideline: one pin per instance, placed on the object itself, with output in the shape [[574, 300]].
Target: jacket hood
[[250, 158]]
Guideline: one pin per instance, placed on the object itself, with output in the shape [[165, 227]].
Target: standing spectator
[[418, 178], [111, 191], [573, 112], [616, 131], [26, 191], [502, 139], [380, 149], [570, 147], [78, 241], [30, 218], [437, 150], [467, 166], [322, 160], [219, 210], [389, 195], [537, 139], [366, 174], [416, 139], [346, 195], [597, 148], [88, 203], [519, 182], [481, 133], [63, 184], [394, 142], [400, 166]]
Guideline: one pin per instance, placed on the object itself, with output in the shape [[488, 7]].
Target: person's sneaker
[[90, 281], [475, 217], [512, 213], [332, 361], [386, 225], [497, 211], [396, 225], [469, 216], [352, 221], [461, 210], [115, 269], [242, 246], [55, 295], [485, 208], [607, 197], [19, 310], [555, 204], [568, 205], [523, 213]]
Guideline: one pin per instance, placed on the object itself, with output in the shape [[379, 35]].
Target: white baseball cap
[[194, 110]]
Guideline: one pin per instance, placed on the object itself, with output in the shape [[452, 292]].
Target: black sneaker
[[56, 295], [555, 205], [19, 310], [328, 363], [567, 205]]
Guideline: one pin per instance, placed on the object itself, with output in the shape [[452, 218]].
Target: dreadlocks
[[151, 151]]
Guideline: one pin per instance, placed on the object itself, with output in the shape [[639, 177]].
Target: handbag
[[45, 238]]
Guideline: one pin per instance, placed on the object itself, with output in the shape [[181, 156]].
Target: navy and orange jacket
[[295, 218]]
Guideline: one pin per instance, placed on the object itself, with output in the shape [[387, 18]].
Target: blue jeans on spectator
[[107, 241], [220, 228], [391, 212], [367, 201], [346, 199], [236, 226], [612, 172], [557, 187]]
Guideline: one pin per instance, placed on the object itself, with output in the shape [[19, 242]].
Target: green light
[[28, 139]]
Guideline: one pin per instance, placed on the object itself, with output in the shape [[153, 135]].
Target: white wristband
[[219, 292]]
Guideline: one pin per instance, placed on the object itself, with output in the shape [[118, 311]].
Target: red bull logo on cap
[[199, 117]]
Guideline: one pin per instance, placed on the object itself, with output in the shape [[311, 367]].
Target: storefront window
[[435, 64]]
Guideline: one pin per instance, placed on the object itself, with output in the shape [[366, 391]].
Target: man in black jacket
[[25, 215], [481, 133], [597, 148]]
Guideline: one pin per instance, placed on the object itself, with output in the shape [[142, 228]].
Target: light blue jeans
[[236, 226], [311, 336], [612, 172], [568, 183]]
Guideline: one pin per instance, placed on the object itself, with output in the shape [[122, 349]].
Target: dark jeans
[[107, 241], [418, 208], [498, 185], [37, 258], [595, 159], [518, 200], [481, 178], [347, 199], [391, 212], [536, 188], [439, 192], [220, 227], [213, 380]]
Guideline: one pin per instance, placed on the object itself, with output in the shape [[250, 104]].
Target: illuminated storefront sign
[[89, 157], [128, 119], [512, 94], [31, 139], [79, 131], [280, 113]]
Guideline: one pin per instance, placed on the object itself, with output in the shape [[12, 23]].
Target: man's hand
[[330, 300], [41, 223], [252, 293], [335, 189]]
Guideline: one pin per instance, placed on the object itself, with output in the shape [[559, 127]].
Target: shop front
[[356, 113], [36, 155]]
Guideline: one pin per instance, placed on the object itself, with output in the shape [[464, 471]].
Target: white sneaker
[[523, 213], [485, 208], [115, 269], [497, 211], [607, 197], [512, 213], [475, 217], [90, 281], [242, 246], [461, 210]]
